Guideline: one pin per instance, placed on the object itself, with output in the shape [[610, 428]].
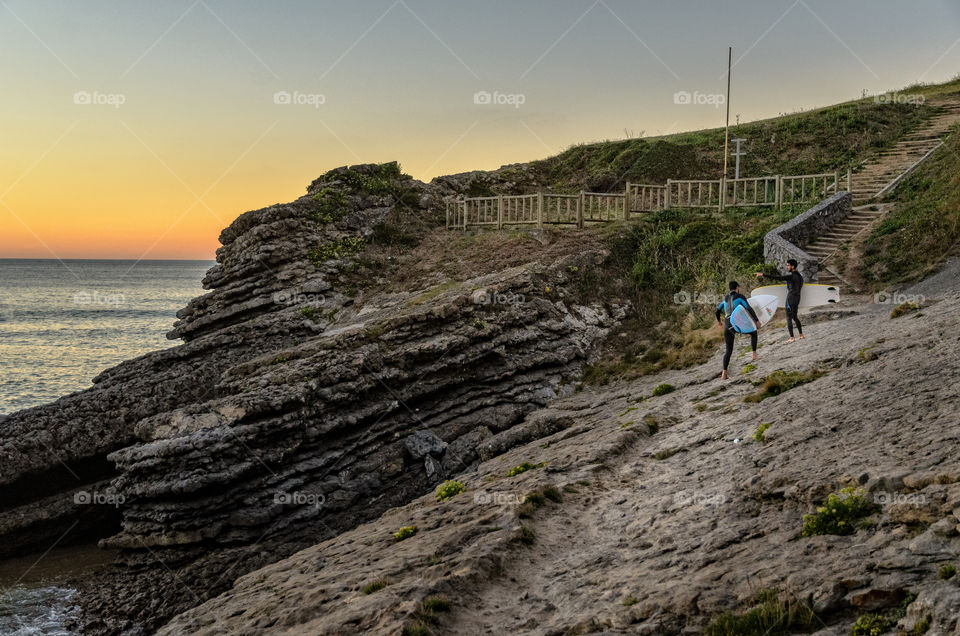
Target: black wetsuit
[[794, 281], [728, 333]]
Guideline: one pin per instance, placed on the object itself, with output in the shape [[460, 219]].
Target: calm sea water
[[63, 323], [60, 325]]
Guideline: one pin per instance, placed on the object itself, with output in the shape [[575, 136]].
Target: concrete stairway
[[843, 233], [875, 174]]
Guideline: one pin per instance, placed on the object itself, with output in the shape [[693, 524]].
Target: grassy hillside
[[925, 224], [821, 140]]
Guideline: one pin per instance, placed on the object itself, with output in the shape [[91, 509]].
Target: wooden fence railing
[[600, 207]]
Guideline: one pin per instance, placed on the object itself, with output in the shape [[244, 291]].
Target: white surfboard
[[811, 294], [764, 306]]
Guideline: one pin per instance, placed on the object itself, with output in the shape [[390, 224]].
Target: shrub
[[903, 309], [436, 604], [663, 389], [839, 514], [341, 248], [947, 572], [870, 625], [405, 533], [749, 368], [331, 206], [448, 489]]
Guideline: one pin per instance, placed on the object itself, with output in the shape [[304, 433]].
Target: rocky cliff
[[640, 510], [301, 403]]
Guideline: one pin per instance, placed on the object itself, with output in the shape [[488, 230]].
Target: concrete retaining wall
[[789, 240]]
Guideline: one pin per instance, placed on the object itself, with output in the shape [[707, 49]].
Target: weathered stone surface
[[683, 537]]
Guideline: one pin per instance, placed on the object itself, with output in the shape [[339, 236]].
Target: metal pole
[[726, 131]]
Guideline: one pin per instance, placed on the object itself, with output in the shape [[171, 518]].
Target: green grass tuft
[[770, 617], [780, 381], [761, 429], [903, 309], [375, 586], [871, 625], [948, 571], [524, 467]]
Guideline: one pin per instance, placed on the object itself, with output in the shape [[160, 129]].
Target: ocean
[[61, 324]]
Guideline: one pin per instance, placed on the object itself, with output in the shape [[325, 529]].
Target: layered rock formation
[[655, 514], [297, 407]]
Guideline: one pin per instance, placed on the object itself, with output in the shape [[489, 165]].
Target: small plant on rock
[[903, 309], [870, 625], [524, 467], [405, 533], [376, 586], [758, 434], [840, 514], [947, 572], [663, 389], [448, 489]]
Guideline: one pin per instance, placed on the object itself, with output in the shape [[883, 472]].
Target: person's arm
[[774, 276], [719, 308]]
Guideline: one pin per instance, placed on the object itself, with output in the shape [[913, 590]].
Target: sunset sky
[[187, 124]]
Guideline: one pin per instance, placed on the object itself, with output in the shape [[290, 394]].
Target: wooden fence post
[[580, 210], [464, 215], [499, 211], [723, 192], [849, 189], [626, 203], [779, 191], [836, 183], [666, 197], [540, 209]]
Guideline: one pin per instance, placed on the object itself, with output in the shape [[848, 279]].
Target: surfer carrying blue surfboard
[[733, 304], [794, 281]]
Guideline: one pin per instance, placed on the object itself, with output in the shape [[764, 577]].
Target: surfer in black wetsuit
[[725, 309], [794, 281]]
